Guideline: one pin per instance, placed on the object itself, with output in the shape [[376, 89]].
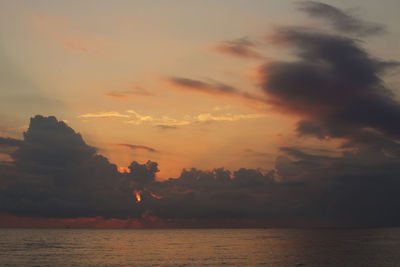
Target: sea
[[200, 247]]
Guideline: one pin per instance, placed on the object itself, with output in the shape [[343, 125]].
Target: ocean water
[[200, 247]]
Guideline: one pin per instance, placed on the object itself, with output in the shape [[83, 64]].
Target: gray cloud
[[213, 88], [6, 141], [341, 20], [54, 173], [239, 48], [335, 86], [357, 188], [138, 147]]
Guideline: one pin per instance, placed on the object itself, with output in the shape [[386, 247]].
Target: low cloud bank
[[55, 174]]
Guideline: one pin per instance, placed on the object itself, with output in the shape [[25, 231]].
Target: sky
[[215, 113]]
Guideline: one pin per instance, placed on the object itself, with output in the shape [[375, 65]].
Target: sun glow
[[138, 199]]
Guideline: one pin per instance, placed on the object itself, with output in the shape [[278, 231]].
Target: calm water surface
[[200, 247]]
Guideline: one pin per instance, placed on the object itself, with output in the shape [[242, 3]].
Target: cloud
[[239, 48], [357, 188], [138, 147], [55, 174], [341, 20], [213, 88], [6, 141], [227, 117], [207, 117], [110, 114], [335, 86], [166, 127], [166, 122], [138, 118], [252, 153], [136, 90]]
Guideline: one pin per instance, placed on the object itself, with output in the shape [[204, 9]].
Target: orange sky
[[106, 70]]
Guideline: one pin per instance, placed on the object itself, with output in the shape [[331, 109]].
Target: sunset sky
[[261, 85]]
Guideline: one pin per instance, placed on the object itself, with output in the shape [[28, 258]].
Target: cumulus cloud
[[55, 174], [333, 85], [341, 20]]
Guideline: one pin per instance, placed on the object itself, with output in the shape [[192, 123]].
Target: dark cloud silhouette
[[143, 174], [138, 147], [333, 85], [336, 86], [55, 174], [6, 141], [239, 48], [357, 188], [341, 20]]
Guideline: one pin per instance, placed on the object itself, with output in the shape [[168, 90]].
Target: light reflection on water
[[200, 247]]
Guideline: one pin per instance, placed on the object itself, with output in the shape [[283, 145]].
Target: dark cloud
[[213, 88], [335, 86], [239, 48], [341, 20], [357, 188], [138, 147], [5, 141], [54, 173]]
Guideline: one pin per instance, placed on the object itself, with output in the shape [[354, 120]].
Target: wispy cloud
[[228, 117], [135, 90], [253, 153], [138, 147], [340, 19], [167, 122], [211, 88], [214, 88], [110, 114], [239, 48]]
